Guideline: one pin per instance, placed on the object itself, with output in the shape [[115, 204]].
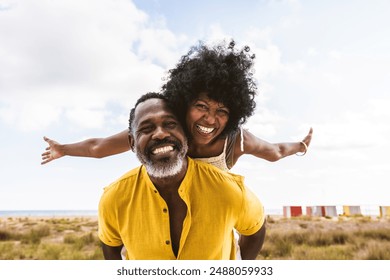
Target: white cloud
[[68, 56], [312, 52], [268, 54], [28, 113], [335, 54], [88, 118], [355, 136], [268, 61], [264, 123], [215, 33], [332, 78], [153, 37]]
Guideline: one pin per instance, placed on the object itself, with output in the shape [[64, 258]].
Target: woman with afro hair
[[213, 90]]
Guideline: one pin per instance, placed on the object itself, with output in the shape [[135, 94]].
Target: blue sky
[[71, 70]]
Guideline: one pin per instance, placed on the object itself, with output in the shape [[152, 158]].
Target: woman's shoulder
[[201, 167]]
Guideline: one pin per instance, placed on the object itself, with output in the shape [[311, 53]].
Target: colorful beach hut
[[321, 211], [351, 210], [292, 211], [384, 211]]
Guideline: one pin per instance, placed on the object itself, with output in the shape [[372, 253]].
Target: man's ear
[[131, 142]]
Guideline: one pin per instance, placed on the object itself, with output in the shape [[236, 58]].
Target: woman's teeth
[[204, 129]]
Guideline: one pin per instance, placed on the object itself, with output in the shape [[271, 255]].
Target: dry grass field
[[33, 238], [75, 238], [342, 238]]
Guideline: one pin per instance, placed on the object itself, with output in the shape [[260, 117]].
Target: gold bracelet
[[302, 153]]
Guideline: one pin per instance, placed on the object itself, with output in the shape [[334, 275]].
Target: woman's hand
[[54, 151], [307, 139], [305, 142]]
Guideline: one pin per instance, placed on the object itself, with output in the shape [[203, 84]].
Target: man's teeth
[[162, 150], [204, 129]]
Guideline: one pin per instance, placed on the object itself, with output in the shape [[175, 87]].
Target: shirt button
[[165, 210], [167, 242]]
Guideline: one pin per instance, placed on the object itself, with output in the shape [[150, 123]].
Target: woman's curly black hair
[[221, 71]]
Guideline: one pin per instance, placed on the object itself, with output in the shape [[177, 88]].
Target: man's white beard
[[163, 169]]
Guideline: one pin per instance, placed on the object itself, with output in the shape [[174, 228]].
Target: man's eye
[[145, 129], [171, 124]]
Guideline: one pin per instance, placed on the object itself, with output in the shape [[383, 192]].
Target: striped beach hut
[[370, 210], [384, 211], [351, 210], [321, 211], [312, 211], [292, 211]]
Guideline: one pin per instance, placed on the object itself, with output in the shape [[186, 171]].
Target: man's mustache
[[158, 143]]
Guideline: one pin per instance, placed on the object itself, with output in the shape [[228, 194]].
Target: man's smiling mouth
[[162, 150]]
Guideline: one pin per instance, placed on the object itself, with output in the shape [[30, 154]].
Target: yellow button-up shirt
[[132, 213]]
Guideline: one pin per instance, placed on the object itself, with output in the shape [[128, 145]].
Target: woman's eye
[[201, 106], [223, 112]]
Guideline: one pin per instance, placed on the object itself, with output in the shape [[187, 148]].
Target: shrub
[[34, 235], [378, 252], [80, 241], [70, 239], [379, 233], [50, 252], [339, 237], [321, 253], [270, 220], [319, 239], [6, 250], [304, 225], [5, 235]]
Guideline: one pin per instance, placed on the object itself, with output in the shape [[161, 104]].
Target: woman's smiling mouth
[[205, 130]]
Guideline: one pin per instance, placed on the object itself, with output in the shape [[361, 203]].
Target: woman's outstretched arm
[[270, 151], [93, 147]]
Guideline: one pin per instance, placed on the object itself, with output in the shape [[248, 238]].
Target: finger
[[46, 156], [308, 137], [45, 161], [48, 140]]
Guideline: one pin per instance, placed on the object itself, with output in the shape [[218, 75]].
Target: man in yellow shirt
[[173, 207]]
